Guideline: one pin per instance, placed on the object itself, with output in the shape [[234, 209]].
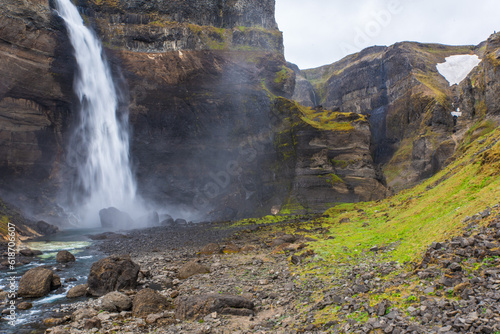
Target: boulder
[[24, 306], [38, 282], [56, 282], [148, 301], [27, 252], [167, 220], [64, 257], [46, 228], [231, 248], [210, 249], [195, 307], [115, 302], [114, 218], [111, 274], [180, 221], [78, 291], [192, 268]]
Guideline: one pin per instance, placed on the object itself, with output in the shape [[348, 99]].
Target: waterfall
[[99, 147]]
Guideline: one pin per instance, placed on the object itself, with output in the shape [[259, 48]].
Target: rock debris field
[[217, 278]]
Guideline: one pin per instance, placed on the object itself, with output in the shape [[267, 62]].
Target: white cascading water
[[101, 140]]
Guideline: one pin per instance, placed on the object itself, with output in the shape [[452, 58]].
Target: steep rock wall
[[36, 73], [408, 101], [214, 134]]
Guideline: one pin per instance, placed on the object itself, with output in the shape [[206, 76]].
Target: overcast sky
[[320, 32]]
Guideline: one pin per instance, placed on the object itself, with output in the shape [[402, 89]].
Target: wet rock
[[114, 218], [78, 291], [64, 257], [115, 302], [24, 306], [37, 282], [148, 301], [192, 268], [195, 307], [56, 282], [210, 249], [27, 252], [46, 228], [111, 274]]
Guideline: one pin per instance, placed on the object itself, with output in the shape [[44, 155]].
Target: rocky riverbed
[[218, 278]]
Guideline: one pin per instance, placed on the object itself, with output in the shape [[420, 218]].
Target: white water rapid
[[100, 145]]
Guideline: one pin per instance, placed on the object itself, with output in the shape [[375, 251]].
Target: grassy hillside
[[367, 238]]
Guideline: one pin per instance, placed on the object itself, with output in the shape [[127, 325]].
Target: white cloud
[[319, 32]]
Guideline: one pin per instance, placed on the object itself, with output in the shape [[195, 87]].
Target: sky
[[320, 32]]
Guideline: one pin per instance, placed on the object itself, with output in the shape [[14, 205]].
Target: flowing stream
[[99, 148], [72, 274]]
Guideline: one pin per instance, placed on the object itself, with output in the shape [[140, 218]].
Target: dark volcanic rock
[[46, 228], [64, 257], [167, 220], [195, 307], [148, 301], [180, 222], [111, 274], [114, 218]]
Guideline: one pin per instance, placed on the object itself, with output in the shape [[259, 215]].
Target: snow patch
[[456, 68]]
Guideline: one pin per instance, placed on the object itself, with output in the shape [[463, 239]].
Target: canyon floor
[[281, 267]]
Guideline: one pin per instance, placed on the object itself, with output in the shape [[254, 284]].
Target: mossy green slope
[[432, 211]]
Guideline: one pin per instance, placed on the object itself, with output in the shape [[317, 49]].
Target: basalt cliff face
[[36, 73], [408, 102], [215, 132]]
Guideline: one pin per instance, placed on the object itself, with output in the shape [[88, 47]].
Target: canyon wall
[[408, 102], [215, 134]]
